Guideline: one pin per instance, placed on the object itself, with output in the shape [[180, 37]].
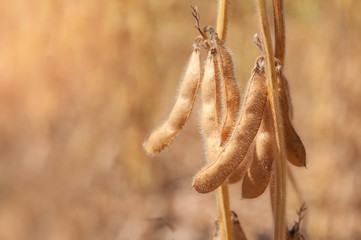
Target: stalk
[[280, 163], [224, 212], [280, 32], [222, 19], [222, 191]]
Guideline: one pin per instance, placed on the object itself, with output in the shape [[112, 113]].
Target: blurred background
[[82, 83]]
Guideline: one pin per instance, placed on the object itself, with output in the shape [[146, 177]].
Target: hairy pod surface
[[239, 173], [232, 154], [219, 95], [210, 106], [164, 135], [296, 153], [231, 93], [258, 175]]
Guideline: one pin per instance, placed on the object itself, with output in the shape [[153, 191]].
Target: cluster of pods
[[238, 136]]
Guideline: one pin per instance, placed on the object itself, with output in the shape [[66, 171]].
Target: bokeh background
[[82, 83]]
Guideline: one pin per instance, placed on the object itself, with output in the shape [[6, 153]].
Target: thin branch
[[258, 42], [295, 231], [280, 34], [197, 17], [272, 89]]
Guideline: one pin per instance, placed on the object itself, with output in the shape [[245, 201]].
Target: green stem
[[280, 163]]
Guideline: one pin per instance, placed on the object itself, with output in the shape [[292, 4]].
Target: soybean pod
[[232, 154], [296, 153], [164, 135], [258, 175], [210, 105]]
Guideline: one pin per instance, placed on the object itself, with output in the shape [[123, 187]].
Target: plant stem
[[280, 33], [222, 19], [222, 191], [224, 212], [280, 163]]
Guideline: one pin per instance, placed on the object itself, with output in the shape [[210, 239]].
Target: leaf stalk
[[272, 89], [222, 191]]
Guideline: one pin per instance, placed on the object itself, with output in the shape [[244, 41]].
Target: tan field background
[[82, 83]]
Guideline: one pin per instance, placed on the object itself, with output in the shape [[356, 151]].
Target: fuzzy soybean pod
[[232, 154], [164, 135], [210, 105], [296, 153], [258, 175], [239, 173], [231, 93]]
